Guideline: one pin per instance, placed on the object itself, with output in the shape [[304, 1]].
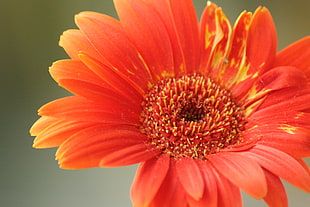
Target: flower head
[[206, 108]]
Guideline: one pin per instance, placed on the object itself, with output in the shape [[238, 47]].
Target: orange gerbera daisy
[[207, 109]]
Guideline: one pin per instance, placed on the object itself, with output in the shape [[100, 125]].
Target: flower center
[[190, 116]]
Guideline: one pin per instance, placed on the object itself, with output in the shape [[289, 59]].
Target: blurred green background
[[29, 31]]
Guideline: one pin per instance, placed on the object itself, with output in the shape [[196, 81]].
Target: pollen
[[191, 116]]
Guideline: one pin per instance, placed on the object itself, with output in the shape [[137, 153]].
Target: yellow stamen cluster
[[190, 116]]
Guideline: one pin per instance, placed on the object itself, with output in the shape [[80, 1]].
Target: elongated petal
[[74, 69], [180, 20], [148, 179], [241, 171], [55, 134], [108, 37], [208, 35], [297, 55], [128, 155], [210, 196], [88, 147], [74, 42], [228, 194], [41, 124], [282, 165], [221, 47], [147, 31], [275, 79], [171, 192], [79, 79], [185, 25], [215, 34], [276, 196], [291, 99], [290, 139], [261, 48], [190, 177], [293, 118], [261, 42], [79, 109], [234, 64], [113, 79]]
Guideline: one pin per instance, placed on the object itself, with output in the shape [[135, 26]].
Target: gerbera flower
[[207, 109]]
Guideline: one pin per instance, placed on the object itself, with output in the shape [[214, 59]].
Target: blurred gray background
[[29, 35]]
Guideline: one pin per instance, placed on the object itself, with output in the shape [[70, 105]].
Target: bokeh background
[[29, 35]]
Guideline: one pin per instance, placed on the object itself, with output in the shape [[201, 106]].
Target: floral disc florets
[[191, 116]]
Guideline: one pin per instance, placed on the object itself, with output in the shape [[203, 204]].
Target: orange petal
[[113, 79], [180, 21], [146, 30], [210, 195], [208, 34], [228, 194], [293, 118], [80, 109], [148, 179], [171, 192], [74, 42], [94, 72], [284, 137], [282, 165], [79, 79], [73, 69], [290, 99], [128, 155], [220, 47], [88, 147], [190, 177], [275, 79], [108, 37], [234, 64], [41, 124], [55, 134], [297, 55], [276, 195], [241, 171], [261, 48], [261, 43]]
